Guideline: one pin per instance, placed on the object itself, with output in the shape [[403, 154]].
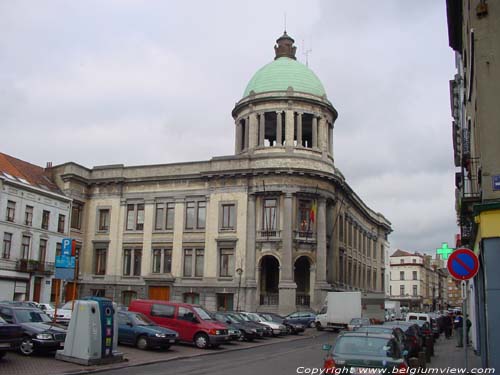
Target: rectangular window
[[270, 215], [45, 219], [190, 206], [341, 228], [228, 216], [43, 251], [414, 275], [127, 262], [159, 216], [100, 261], [188, 262], [401, 275], [28, 216], [58, 249], [76, 216], [7, 243], [170, 216], [135, 216], [61, 222], [157, 260], [167, 261], [193, 262], [226, 262], [401, 290], [25, 247], [199, 258], [305, 224], [195, 215], [415, 291], [11, 211], [104, 220], [137, 262]]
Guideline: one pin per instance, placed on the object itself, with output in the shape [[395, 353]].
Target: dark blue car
[[138, 330], [306, 318]]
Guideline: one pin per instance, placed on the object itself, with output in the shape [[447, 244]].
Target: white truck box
[[338, 310]]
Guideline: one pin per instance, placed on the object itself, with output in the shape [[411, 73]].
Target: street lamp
[[239, 271]]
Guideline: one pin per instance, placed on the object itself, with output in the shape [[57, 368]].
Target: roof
[[403, 253], [283, 73], [21, 171]]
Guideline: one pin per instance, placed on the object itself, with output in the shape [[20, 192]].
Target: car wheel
[[318, 326], [201, 341], [26, 347], [142, 343], [312, 324]]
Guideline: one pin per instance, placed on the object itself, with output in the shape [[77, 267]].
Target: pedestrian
[[458, 325], [447, 324], [469, 324]]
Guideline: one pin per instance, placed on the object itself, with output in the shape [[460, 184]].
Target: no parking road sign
[[463, 264]]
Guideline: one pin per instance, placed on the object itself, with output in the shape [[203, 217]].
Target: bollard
[[422, 359], [413, 362]]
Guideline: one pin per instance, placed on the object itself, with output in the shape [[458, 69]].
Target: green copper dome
[[282, 73]]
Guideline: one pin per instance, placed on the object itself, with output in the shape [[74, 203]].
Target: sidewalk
[[447, 355]]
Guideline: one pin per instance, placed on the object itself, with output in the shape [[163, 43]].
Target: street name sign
[[463, 264]]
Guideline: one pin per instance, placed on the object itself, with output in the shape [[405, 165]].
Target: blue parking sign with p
[[66, 247]]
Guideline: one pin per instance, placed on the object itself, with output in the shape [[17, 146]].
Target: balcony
[[35, 266], [269, 234], [304, 236]]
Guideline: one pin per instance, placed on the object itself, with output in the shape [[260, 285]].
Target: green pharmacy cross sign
[[444, 251]]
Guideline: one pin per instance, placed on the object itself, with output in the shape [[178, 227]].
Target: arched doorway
[[302, 277], [269, 280]]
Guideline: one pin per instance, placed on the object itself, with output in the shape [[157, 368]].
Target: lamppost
[[239, 271]]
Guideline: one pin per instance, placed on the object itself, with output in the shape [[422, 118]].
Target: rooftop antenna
[[284, 21], [306, 52]]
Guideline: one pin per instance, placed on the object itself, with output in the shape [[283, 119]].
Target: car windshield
[[239, 318], [31, 316], [253, 318], [202, 313], [142, 320], [363, 345], [2, 321], [231, 318]]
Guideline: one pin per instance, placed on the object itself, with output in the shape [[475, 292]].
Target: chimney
[[49, 165]]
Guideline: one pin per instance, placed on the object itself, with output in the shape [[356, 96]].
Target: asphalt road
[[281, 358]]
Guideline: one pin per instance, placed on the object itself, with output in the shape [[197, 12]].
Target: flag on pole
[[312, 212]]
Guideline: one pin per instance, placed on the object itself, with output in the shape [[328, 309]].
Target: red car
[[191, 322]]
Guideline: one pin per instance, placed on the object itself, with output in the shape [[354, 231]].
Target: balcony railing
[[270, 233], [269, 299], [304, 235], [302, 299], [35, 266]]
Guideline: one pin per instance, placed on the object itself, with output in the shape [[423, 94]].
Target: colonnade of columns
[[251, 131]]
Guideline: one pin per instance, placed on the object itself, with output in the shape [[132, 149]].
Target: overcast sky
[[149, 82]]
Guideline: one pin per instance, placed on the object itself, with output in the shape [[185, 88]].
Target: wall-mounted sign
[[496, 182]]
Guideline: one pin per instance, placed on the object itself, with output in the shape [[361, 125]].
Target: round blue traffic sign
[[463, 264]]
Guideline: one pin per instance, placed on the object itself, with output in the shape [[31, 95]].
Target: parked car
[[47, 308], [260, 329], [63, 313], [10, 337], [306, 318], [192, 322], [353, 352], [397, 332], [355, 323], [292, 328], [246, 331], [413, 338], [138, 330], [277, 329], [39, 333]]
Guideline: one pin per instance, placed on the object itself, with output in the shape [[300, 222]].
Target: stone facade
[[273, 227]]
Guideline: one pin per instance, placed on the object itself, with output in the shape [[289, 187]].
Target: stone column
[[321, 286], [299, 129], [279, 134], [289, 128], [315, 132], [287, 286], [262, 129], [250, 268], [322, 135], [253, 129], [237, 143], [247, 132], [177, 244]]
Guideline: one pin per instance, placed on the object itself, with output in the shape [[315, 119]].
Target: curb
[[203, 353]]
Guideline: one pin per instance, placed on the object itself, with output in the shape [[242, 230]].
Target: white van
[[418, 316]]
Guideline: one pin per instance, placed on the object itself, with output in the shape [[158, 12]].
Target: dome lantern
[[284, 47]]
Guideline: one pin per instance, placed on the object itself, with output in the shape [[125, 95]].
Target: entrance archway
[[269, 280], [302, 277]]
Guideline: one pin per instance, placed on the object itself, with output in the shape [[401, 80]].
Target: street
[[279, 358]]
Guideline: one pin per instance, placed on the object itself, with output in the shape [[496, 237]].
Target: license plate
[[171, 341], [4, 345]]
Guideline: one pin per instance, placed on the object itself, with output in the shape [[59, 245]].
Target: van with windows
[[192, 322]]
